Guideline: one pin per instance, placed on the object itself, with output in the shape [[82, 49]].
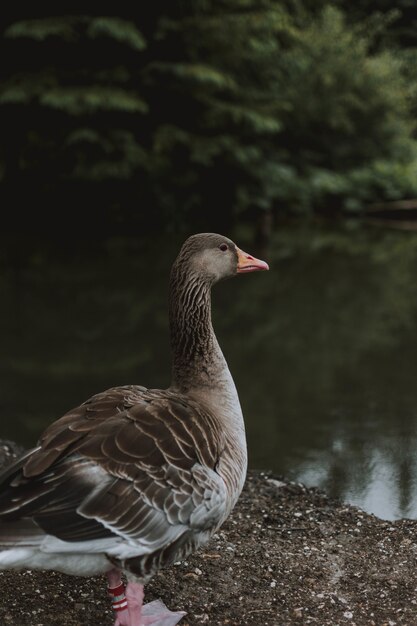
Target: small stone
[[276, 483]]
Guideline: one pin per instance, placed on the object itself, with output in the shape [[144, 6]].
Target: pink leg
[[136, 614], [134, 596], [125, 615]]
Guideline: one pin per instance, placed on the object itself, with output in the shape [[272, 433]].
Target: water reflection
[[323, 349]]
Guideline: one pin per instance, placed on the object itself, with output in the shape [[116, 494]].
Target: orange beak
[[247, 263]]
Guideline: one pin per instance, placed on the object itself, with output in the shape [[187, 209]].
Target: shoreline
[[287, 555]]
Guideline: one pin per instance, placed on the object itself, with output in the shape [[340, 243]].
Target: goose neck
[[197, 358]]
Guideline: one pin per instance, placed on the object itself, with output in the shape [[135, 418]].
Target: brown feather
[[159, 468]]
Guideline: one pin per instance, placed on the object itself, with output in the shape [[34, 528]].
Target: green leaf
[[123, 31], [81, 100], [198, 73], [40, 29]]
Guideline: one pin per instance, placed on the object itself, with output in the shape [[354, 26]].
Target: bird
[[135, 479]]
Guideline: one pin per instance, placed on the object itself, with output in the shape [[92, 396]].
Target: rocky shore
[[288, 555]]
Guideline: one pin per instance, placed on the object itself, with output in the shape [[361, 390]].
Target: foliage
[[196, 112]]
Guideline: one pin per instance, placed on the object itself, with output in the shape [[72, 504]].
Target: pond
[[323, 349]]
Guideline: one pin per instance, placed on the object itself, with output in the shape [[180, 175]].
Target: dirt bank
[[287, 555]]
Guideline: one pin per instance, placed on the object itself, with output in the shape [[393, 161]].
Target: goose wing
[[128, 473]]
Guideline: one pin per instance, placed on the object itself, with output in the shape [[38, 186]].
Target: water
[[323, 349]]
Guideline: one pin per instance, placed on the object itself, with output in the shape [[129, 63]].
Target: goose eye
[[223, 247]]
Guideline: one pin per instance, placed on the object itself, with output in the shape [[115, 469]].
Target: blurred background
[[289, 126]]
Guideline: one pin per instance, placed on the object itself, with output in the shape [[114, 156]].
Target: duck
[[135, 479]]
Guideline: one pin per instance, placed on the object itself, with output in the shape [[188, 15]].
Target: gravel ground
[[288, 555]]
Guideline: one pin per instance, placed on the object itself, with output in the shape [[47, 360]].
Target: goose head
[[214, 257]]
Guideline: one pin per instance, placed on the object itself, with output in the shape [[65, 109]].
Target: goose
[[135, 479]]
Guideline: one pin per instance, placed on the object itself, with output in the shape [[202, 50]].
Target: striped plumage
[[136, 478]]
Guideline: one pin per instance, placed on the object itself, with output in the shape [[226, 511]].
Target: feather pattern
[[137, 477]]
